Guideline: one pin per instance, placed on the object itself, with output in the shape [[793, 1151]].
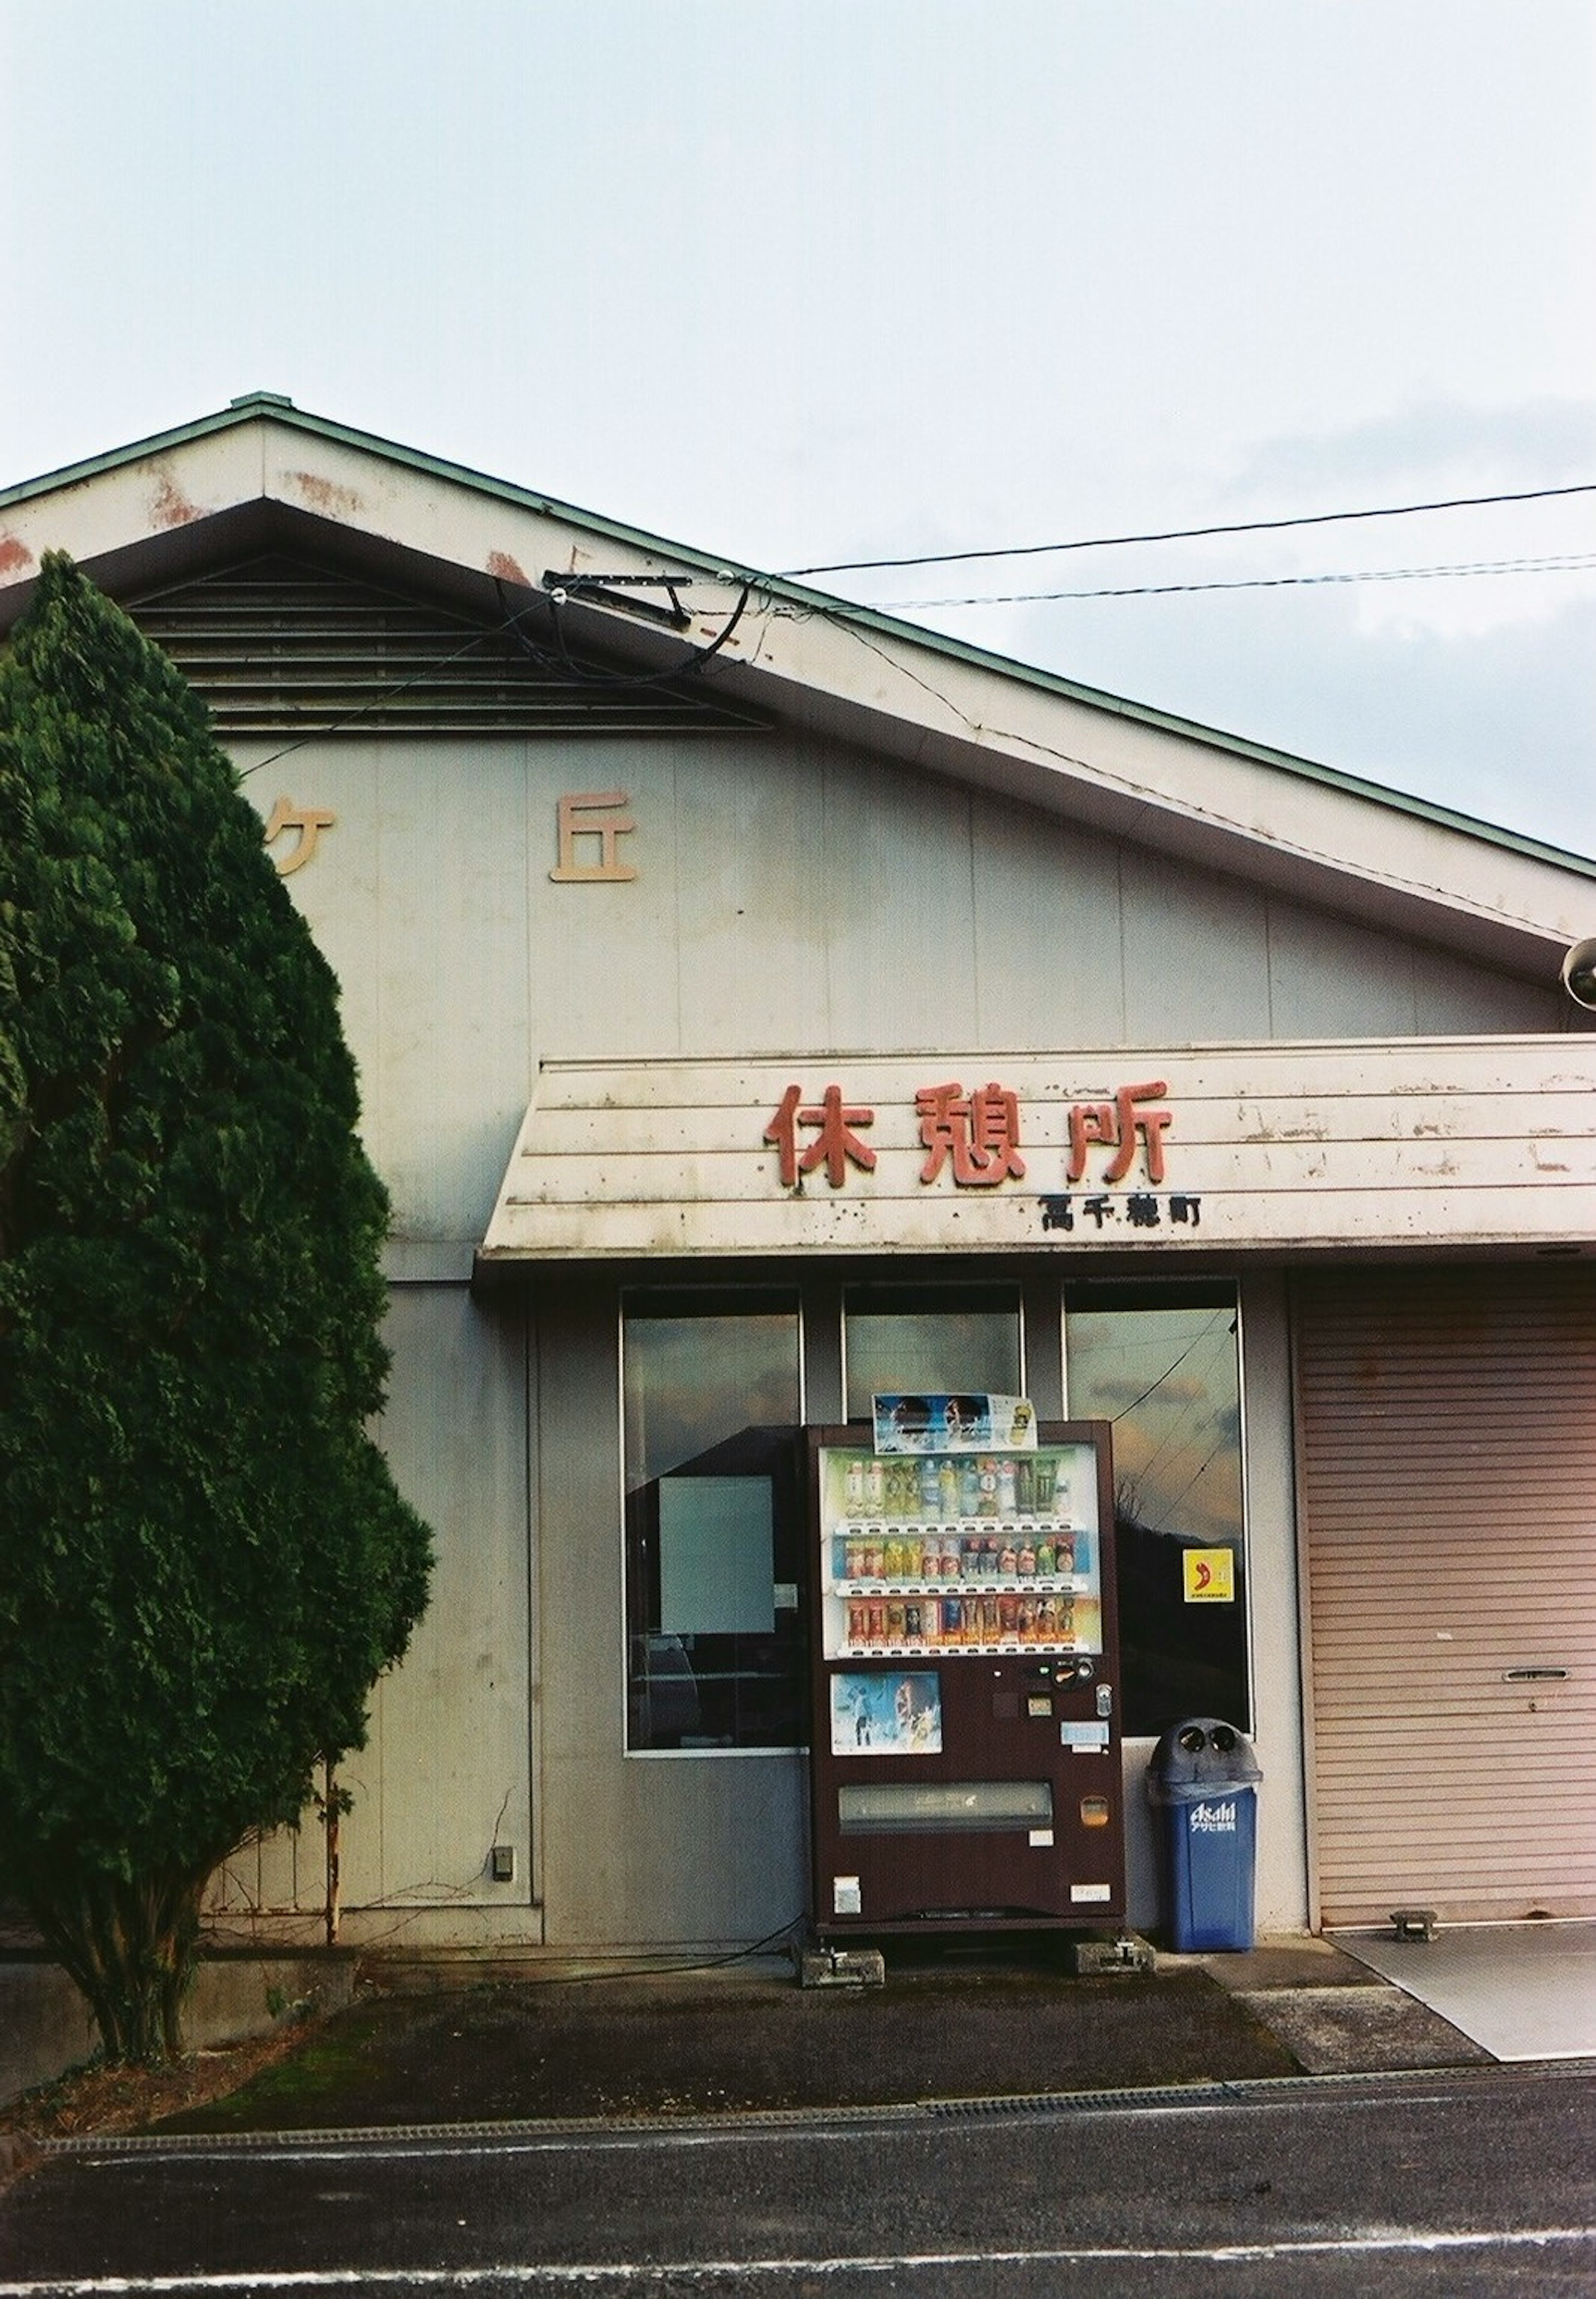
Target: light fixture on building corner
[[1579, 973]]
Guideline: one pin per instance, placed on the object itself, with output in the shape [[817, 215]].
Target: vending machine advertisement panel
[[965, 1752]]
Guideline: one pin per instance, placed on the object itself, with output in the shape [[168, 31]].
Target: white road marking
[[464, 2278]]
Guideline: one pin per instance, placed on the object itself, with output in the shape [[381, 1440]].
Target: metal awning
[[1444, 1143]]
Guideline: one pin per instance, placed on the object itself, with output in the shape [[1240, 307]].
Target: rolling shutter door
[[1449, 1491]]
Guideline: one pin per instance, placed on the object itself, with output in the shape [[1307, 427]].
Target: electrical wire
[[1219, 1445], [697, 659], [1174, 1366], [1568, 563], [1186, 534], [377, 702], [791, 1932], [511, 624], [695, 662]]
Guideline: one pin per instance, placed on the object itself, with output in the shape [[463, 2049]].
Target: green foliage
[[204, 1562]]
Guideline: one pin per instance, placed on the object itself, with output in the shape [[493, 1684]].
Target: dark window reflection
[[714, 1639], [1162, 1364], [941, 1340]]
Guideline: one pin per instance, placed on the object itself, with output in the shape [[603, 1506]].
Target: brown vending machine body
[[965, 1769]]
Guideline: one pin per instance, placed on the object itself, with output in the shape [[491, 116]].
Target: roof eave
[[939, 702]]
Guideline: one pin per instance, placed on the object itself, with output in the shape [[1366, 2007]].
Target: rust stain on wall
[[169, 505], [508, 569], [13, 555], [326, 496]]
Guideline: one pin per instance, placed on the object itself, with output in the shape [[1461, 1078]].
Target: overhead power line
[[1184, 533], [512, 622], [1569, 562]]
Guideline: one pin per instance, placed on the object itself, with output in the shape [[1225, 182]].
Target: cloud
[[1130, 1389], [1434, 446], [1498, 723]]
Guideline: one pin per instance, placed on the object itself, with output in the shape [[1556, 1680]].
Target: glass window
[[713, 1406], [944, 1339], [1161, 1363]]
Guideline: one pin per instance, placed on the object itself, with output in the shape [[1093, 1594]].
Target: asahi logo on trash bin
[[1213, 1819]]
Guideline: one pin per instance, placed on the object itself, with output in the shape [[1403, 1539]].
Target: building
[[760, 1002]]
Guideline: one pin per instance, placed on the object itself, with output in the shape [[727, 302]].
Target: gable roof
[[262, 476]]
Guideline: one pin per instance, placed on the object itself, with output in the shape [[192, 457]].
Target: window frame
[[1131, 1291], [681, 1302]]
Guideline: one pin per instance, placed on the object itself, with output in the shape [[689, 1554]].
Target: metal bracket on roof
[[618, 591]]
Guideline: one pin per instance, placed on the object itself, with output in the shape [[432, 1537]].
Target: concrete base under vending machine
[[843, 1967]]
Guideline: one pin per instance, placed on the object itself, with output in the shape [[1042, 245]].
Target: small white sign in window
[[717, 1548]]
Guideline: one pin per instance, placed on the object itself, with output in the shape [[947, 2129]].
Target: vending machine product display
[[965, 1769]]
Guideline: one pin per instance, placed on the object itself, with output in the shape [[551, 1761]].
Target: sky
[[804, 281]]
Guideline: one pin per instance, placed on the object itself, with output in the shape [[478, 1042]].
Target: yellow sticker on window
[[1209, 1576]]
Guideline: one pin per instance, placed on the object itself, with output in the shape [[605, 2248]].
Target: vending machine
[[965, 1770]]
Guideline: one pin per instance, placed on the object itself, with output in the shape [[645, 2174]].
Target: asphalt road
[[1475, 2182]]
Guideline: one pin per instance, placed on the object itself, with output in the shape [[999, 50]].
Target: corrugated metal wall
[[1449, 1491]]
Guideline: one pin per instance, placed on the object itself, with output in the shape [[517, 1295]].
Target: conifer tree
[[204, 1564]]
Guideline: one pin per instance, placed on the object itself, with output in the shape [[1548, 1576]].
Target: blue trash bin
[[1203, 1779]]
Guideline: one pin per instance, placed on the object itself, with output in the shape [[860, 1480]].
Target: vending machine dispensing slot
[[965, 1769]]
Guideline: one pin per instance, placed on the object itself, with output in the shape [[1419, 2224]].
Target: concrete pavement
[[440, 2041]]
